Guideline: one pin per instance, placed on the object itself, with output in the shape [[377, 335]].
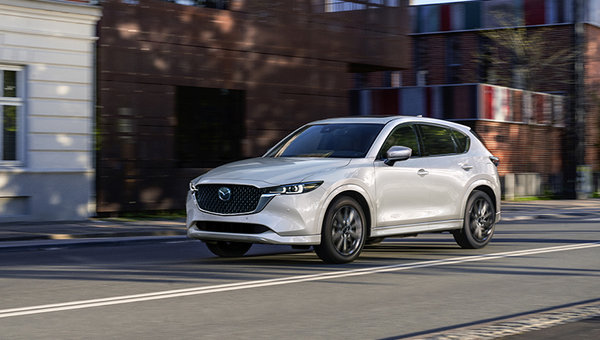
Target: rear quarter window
[[463, 142], [437, 140]]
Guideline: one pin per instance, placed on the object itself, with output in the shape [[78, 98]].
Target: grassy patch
[[532, 198]]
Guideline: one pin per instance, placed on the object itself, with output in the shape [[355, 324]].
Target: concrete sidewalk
[[125, 228]]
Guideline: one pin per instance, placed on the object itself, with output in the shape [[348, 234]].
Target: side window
[[403, 135], [437, 140], [462, 141]]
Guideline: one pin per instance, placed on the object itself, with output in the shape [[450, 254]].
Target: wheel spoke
[[477, 232], [345, 244], [339, 241], [338, 220], [351, 217]]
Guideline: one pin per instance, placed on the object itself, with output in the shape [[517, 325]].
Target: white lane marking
[[5, 313]]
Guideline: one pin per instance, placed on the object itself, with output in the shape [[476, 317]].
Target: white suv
[[337, 184]]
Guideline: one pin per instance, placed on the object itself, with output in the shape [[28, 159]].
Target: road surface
[[416, 287]]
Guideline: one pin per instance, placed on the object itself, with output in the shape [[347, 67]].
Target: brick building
[[454, 43], [187, 85]]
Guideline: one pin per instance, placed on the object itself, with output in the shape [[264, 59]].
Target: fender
[[480, 181], [354, 186]]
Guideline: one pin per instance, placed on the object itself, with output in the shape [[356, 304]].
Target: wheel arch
[[487, 190], [358, 197]]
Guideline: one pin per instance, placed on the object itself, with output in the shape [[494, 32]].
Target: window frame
[[381, 153], [456, 142], [452, 137], [19, 101]]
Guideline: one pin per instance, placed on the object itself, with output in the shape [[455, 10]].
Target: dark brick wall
[[521, 147], [292, 62], [592, 79]]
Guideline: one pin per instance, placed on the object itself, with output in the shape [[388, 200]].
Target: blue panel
[[413, 101]]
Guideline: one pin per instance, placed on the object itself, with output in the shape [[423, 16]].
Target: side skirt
[[416, 228]]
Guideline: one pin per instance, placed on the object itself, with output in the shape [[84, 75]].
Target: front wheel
[[343, 233], [479, 222], [228, 249]]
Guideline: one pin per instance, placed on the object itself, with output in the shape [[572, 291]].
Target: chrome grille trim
[[245, 199]]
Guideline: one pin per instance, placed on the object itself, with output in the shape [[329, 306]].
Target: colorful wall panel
[[497, 13], [462, 102], [592, 12]]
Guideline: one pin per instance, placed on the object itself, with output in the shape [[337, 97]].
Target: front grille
[[236, 228], [243, 199]]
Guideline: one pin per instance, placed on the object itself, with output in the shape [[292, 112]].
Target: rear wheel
[[479, 223], [343, 233], [228, 249]]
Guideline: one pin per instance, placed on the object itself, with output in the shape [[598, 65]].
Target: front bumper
[[289, 219], [269, 237]]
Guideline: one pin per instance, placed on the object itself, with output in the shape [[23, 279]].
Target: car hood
[[271, 171]]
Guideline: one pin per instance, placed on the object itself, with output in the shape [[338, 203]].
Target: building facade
[[463, 43], [184, 86], [46, 107]]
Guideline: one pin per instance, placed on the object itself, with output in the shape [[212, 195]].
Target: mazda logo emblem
[[224, 194]]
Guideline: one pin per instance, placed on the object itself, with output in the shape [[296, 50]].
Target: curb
[[81, 242], [545, 216], [56, 237]]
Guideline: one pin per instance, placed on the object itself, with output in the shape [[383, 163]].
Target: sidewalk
[[125, 228]]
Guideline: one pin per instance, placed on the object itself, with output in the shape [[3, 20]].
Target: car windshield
[[329, 140]]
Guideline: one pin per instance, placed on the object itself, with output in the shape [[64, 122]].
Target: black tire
[[343, 233], [479, 222], [228, 249]]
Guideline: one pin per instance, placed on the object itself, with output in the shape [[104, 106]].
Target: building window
[[485, 60], [210, 126], [453, 62], [11, 108], [343, 6], [218, 4], [420, 61]]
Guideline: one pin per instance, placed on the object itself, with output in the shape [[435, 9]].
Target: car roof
[[388, 119]]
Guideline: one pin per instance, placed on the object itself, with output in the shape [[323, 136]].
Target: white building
[[47, 87]]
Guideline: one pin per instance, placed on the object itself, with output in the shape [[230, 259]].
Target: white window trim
[[19, 102]]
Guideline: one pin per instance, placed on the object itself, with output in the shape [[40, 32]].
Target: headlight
[[292, 189]]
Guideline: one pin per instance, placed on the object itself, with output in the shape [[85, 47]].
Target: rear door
[[429, 186], [448, 169]]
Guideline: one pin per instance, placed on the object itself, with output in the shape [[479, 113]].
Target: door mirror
[[397, 153]]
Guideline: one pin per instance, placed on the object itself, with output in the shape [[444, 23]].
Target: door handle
[[422, 172], [466, 167]]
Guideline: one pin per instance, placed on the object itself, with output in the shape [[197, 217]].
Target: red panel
[[462, 102], [429, 101], [389, 100], [517, 106], [538, 108], [488, 102], [376, 102], [535, 13], [445, 18]]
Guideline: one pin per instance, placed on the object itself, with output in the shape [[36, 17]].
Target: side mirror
[[397, 153]]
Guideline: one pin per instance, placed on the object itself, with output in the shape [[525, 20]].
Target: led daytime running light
[[292, 189]]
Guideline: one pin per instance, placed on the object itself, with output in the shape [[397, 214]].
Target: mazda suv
[[340, 183]]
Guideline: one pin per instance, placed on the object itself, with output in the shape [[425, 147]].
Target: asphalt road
[[413, 287]]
